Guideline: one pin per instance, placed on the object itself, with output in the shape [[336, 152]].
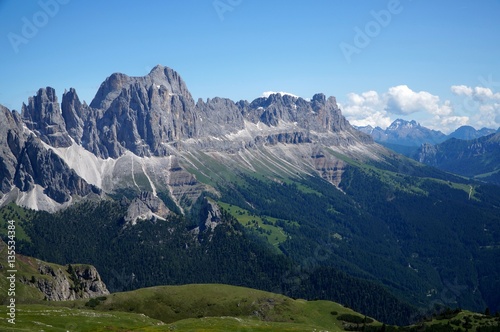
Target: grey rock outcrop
[[210, 217], [320, 114], [146, 206], [77, 282], [38, 166], [140, 114], [152, 115], [43, 116], [220, 116], [11, 142], [24, 160], [75, 114]]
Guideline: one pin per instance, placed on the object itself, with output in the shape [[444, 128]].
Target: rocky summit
[[148, 133]]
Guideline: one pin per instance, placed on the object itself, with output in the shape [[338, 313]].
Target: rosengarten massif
[[148, 187]]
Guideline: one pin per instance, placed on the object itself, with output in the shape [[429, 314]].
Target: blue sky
[[434, 61]]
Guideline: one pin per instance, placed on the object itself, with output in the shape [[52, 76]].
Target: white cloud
[[481, 104], [446, 124], [366, 109], [403, 101], [482, 93], [372, 108], [462, 90], [478, 93]]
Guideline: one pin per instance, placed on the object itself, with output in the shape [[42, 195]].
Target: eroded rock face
[[155, 116], [38, 166], [75, 114], [24, 160], [330, 169], [76, 282], [140, 113], [210, 217], [146, 206], [11, 143], [43, 116]]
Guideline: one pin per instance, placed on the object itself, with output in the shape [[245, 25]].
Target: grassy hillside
[[209, 307], [174, 303], [214, 307]]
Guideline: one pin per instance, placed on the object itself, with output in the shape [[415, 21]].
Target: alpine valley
[[280, 194]]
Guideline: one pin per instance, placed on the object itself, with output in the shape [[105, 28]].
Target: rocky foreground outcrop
[[69, 283], [53, 282]]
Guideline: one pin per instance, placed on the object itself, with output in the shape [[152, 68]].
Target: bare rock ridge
[[43, 116], [25, 162], [149, 115], [139, 114], [67, 149]]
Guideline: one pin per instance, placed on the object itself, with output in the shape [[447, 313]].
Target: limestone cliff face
[[43, 116], [75, 115], [24, 160], [148, 134], [210, 218], [139, 114], [74, 282], [38, 166], [146, 206], [151, 115], [11, 143]]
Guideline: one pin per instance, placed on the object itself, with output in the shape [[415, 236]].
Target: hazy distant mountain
[[468, 133], [406, 137], [407, 133], [478, 158]]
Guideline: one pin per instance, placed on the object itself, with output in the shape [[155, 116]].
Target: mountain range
[[466, 151], [280, 194], [411, 133], [138, 129], [477, 158]]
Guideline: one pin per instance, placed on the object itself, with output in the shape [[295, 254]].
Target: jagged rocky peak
[[141, 114], [39, 166], [160, 76], [74, 114], [220, 116], [321, 114], [170, 79], [11, 143], [399, 124], [43, 116], [76, 282]]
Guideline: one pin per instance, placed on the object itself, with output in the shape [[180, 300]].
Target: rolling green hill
[[213, 307]]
